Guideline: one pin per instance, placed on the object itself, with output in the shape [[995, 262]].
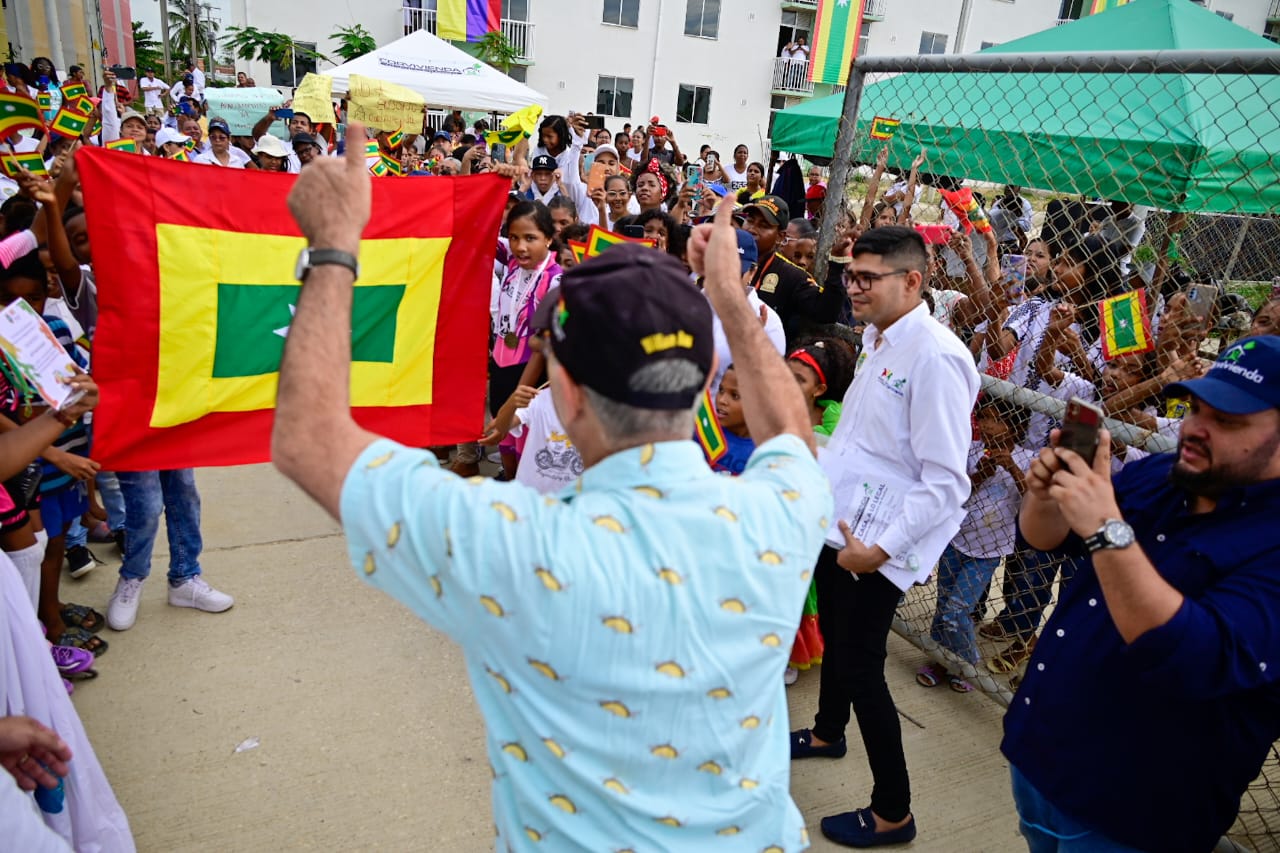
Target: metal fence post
[[838, 179]]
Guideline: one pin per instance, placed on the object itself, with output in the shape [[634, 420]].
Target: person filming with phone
[[1150, 701]]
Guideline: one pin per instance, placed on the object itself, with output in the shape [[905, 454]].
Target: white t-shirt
[[152, 90], [737, 180], [772, 328], [549, 461], [239, 159]]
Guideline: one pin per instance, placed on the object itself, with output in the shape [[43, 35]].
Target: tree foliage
[[497, 50], [353, 42], [180, 30], [258, 45], [147, 51]]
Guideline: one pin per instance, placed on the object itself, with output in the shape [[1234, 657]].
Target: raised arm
[[873, 187], [315, 441], [771, 399], [909, 197]]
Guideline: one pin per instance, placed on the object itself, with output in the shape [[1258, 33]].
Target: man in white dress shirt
[[896, 463]]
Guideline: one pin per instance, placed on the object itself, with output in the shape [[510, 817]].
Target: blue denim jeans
[[112, 499], [77, 534], [1048, 830], [1032, 574], [961, 582], [146, 494]]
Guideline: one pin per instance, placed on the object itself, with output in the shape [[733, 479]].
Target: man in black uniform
[[783, 286]]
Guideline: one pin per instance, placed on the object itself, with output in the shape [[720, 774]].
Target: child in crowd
[[548, 459], [734, 423], [577, 233], [529, 257], [997, 462], [823, 369]]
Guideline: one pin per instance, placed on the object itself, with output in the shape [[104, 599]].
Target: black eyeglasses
[[867, 280]]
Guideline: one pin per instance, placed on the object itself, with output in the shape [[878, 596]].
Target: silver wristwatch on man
[[1113, 534]]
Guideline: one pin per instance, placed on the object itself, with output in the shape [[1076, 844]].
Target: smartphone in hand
[[1080, 428]]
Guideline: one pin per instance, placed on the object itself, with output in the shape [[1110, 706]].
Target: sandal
[[82, 639], [993, 631], [82, 616], [1011, 658], [930, 675], [71, 660]]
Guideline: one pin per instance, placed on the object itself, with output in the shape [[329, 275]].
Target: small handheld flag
[[371, 148], [1125, 325], [579, 250], [18, 112], [378, 168], [392, 166], [68, 122], [32, 161], [45, 100], [74, 91], [181, 156], [598, 240], [396, 139], [521, 124], [708, 431], [967, 210], [129, 145], [884, 128]]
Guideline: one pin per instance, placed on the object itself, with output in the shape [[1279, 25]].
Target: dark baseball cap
[[544, 162], [772, 208], [1245, 379], [219, 124], [305, 139], [623, 311]]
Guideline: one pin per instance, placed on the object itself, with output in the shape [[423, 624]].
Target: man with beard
[[1153, 695]]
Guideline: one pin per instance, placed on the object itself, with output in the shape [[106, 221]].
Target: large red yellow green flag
[[835, 40], [196, 301], [1093, 7]]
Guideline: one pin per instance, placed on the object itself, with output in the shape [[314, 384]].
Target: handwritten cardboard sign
[[383, 105], [243, 108]]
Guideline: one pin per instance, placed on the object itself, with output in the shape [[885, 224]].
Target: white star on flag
[[283, 331]]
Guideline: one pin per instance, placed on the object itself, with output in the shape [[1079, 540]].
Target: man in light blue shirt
[[625, 640]]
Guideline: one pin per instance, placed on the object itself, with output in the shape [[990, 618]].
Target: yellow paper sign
[[315, 98], [383, 105]]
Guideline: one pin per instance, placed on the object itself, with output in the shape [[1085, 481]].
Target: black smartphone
[[594, 122], [1080, 428], [635, 232], [123, 72]]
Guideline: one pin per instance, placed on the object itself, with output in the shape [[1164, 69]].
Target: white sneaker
[[789, 675], [199, 595], [122, 609]]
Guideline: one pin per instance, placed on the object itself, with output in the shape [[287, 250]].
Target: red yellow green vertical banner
[[835, 40]]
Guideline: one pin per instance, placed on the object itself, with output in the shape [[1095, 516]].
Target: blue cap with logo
[[1245, 379], [747, 251]]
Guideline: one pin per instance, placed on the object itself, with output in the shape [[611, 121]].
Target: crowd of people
[[595, 370]]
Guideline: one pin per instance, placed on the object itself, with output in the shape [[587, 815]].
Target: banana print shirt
[[625, 640]]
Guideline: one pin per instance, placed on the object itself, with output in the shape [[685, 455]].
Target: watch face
[[1118, 534], [304, 261]]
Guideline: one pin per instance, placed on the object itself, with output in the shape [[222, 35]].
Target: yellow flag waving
[[521, 124]]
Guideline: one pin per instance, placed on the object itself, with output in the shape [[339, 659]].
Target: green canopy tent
[[1194, 142]]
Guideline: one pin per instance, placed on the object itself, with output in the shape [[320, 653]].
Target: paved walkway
[[369, 735]]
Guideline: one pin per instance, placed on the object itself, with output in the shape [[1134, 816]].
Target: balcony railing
[[791, 76], [1274, 14], [873, 10], [518, 33]]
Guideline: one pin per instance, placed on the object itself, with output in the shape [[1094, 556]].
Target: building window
[[933, 43], [864, 37], [519, 73], [987, 44], [515, 10], [1230, 16], [1272, 32], [693, 106], [702, 18], [613, 97], [795, 26], [622, 13], [304, 62]]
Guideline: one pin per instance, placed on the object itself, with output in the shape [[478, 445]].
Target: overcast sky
[[148, 12]]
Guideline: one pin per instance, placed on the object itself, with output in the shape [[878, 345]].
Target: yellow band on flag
[[884, 128]]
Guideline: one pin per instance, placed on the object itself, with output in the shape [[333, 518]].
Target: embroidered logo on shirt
[[897, 386]]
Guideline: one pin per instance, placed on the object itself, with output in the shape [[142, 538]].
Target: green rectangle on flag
[[254, 320]]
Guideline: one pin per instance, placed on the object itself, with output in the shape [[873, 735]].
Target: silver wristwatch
[[1113, 534]]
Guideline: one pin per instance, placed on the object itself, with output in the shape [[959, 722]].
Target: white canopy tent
[[441, 73]]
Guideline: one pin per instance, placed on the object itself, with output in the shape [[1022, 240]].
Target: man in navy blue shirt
[[1153, 695]]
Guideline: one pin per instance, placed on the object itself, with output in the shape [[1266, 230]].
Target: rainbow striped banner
[[1096, 6], [467, 20], [835, 40], [1125, 326]]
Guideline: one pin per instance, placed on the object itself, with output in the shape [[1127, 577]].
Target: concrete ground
[[369, 737]]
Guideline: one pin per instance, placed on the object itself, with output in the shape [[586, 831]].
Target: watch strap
[[337, 257]]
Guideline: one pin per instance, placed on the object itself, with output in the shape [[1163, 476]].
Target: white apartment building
[[709, 69]]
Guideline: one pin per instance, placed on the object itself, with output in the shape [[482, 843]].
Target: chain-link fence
[[1153, 174]]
